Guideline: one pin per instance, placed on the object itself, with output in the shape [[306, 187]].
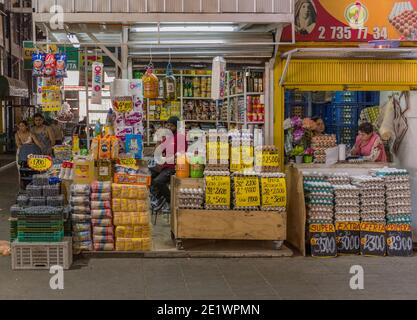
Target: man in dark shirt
[[161, 174]]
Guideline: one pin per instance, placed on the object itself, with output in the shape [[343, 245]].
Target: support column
[[125, 52], [130, 68]]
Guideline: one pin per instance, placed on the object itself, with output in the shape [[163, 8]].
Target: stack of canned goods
[[347, 203], [372, 197], [320, 202], [191, 198], [398, 194]]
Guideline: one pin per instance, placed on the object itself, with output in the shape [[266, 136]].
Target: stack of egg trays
[[191, 198], [372, 198], [319, 201], [347, 203], [340, 178], [398, 194]]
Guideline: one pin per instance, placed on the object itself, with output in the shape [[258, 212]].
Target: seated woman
[[320, 127], [369, 144]]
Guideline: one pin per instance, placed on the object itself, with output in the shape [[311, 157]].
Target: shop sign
[[399, 240], [72, 54], [123, 104], [348, 237], [247, 191], [51, 98], [353, 21], [97, 85], [373, 241], [218, 191], [39, 162], [274, 192], [322, 240]]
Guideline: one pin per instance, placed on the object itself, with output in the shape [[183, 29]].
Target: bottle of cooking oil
[[83, 170], [150, 84]]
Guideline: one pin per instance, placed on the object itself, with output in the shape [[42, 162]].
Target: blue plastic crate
[[344, 134], [346, 115], [369, 98], [345, 97]]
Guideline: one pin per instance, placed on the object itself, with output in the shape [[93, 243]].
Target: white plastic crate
[[41, 255]]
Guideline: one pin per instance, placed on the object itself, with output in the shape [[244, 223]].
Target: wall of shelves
[[202, 110]]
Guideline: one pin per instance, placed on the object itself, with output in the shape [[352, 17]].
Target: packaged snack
[[79, 227], [137, 244], [61, 65], [101, 214], [115, 148], [101, 187], [99, 246], [101, 196], [120, 244], [105, 222], [80, 217], [50, 65], [134, 145], [131, 205], [116, 190], [82, 236], [38, 60], [103, 239], [95, 143], [104, 149], [103, 231], [124, 205], [100, 205]]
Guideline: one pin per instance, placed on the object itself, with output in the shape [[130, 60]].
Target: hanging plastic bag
[[50, 65], [38, 60], [61, 65]]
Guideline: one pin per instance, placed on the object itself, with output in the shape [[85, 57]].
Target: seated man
[[161, 174]]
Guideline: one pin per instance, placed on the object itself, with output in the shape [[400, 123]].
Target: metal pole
[[86, 97]]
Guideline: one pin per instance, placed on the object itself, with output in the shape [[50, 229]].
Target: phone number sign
[[353, 21]]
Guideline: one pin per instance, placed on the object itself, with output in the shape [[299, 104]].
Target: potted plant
[[308, 155], [298, 153]]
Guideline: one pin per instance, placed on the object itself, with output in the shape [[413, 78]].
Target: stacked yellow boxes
[[131, 217]]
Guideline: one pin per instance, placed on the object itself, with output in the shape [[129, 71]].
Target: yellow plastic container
[[182, 166], [150, 85], [83, 170]]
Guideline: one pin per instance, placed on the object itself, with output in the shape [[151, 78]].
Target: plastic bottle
[[182, 166], [150, 84], [196, 166], [170, 84], [104, 170], [97, 129]]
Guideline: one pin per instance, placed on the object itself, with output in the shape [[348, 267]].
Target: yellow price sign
[[39, 162], [218, 190], [274, 192], [51, 98], [130, 162], [123, 104], [267, 159], [247, 191]]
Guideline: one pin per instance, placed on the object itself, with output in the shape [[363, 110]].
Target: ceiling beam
[[106, 51]]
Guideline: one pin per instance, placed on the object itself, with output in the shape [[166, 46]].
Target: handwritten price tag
[[322, 240], [218, 190], [274, 192], [399, 240], [123, 104], [348, 238], [267, 159], [39, 162], [128, 162], [247, 191], [373, 242]]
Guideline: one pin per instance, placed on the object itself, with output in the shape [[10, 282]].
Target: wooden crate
[[223, 224]]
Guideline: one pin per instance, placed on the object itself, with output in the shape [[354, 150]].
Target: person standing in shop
[[161, 174], [369, 144], [43, 134], [320, 127], [58, 132]]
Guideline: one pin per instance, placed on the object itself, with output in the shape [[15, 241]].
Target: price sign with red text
[[123, 104]]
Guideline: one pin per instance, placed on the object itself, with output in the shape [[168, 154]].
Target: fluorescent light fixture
[[187, 28], [72, 37]]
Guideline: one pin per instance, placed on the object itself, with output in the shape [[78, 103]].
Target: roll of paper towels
[[120, 88], [342, 152]]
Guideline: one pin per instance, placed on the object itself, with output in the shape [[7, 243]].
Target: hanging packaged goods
[[98, 73], [150, 84], [346, 20]]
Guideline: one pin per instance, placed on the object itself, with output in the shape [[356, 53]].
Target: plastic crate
[[26, 226], [55, 236], [344, 134], [40, 256], [342, 115], [369, 98], [345, 97]]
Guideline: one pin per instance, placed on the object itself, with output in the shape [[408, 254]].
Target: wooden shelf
[[196, 98]]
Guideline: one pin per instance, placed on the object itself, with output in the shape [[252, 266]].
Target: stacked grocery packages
[[101, 216], [131, 217], [81, 217]]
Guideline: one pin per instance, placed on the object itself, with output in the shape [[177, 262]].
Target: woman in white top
[[26, 143]]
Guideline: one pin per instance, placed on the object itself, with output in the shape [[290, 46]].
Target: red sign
[[355, 21]]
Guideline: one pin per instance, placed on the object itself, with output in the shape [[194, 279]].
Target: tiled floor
[[261, 278]]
